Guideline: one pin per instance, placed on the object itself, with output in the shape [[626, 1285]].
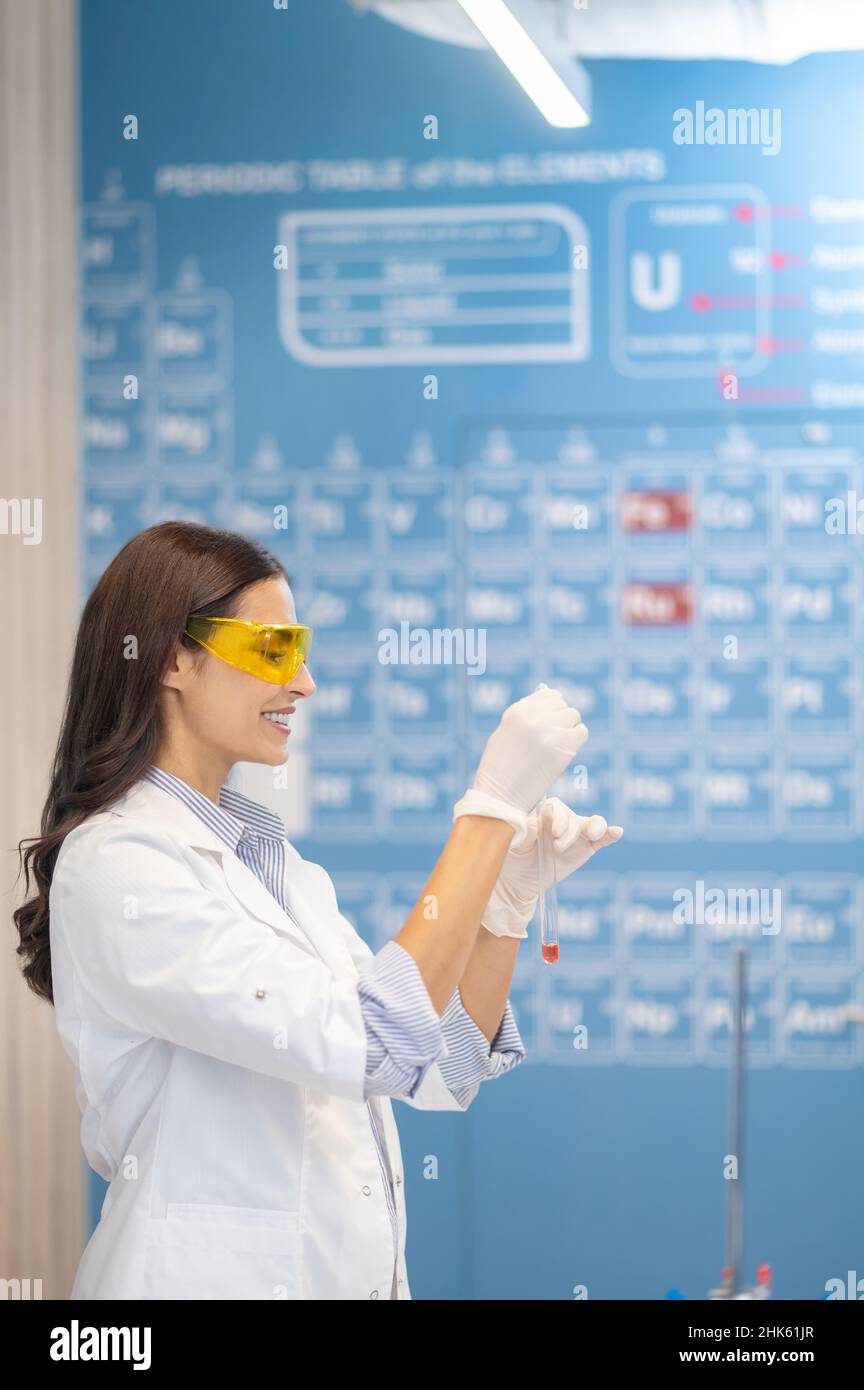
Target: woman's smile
[[278, 719]]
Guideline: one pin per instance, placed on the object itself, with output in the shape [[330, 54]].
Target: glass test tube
[[548, 899]]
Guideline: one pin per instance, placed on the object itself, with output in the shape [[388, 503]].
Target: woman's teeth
[[283, 719]]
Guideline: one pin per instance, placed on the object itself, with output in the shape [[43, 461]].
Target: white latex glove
[[574, 840], [532, 745]]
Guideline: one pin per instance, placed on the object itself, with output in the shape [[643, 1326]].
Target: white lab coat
[[219, 1052]]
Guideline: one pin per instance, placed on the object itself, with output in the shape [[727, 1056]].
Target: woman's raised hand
[[573, 839], [534, 742]]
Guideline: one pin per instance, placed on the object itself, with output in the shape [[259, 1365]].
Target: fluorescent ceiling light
[[533, 70]]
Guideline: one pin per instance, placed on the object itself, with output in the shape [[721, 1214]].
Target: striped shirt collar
[[236, 817]]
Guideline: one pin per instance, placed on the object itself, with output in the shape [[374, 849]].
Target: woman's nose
[[303, 683]]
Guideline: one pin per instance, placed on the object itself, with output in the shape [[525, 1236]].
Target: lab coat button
[[260, 994], [374, 1293], [367, 1191]]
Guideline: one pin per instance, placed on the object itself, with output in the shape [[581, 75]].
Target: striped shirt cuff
[[471, 1058], [404, 1036]]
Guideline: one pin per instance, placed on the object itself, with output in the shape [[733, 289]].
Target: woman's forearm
[[485, 986], [441, 930]]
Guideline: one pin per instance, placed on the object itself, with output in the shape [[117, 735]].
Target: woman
[[235, 1042]]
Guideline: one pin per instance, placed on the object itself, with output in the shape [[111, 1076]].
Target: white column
[[42, 1183]]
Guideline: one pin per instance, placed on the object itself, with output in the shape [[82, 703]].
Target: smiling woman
[[184, 942]]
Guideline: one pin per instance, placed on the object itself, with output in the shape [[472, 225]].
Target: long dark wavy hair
[[111, 725]]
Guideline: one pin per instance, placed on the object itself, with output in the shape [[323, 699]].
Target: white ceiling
[[762, 31]]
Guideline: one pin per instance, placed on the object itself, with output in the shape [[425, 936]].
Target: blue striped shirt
[[404, 1034]]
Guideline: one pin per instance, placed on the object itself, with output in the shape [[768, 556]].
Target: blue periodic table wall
[[589, 393]]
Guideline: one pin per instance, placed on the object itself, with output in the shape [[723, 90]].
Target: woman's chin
[[275, 757], [270, 757]]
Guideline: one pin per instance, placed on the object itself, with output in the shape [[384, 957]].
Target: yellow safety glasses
[[271, 651]]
